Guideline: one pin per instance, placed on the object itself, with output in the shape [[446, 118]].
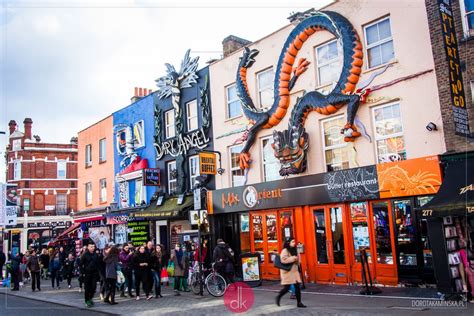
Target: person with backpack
[[224, 260]]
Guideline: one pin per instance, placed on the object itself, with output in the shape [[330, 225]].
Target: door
[[329, 228]]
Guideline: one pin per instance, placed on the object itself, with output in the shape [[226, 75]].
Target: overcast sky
[[69, 63]]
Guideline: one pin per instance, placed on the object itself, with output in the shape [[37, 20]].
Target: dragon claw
[[350, 132], [244, 160], [301, 67]]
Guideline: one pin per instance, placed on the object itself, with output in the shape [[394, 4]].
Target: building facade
[[45, 175], [374, 174]]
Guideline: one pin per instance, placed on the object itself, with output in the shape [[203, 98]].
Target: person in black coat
[[89, 267], [3, 259], [142, 266], [15, 271], [68, 269]]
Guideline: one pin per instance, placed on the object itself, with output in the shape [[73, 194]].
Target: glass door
[[322, 268]]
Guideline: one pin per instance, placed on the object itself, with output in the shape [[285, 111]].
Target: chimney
[[140, 93], [12, 125], [232, 43], [27, 123]]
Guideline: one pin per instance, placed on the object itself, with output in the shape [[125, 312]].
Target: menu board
[[139, 232]]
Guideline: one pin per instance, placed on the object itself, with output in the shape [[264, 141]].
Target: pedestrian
[[54, 269], [89, 267], [15, 271], [149, 248], [289, 255], [33, 266], [3, 259], [24, 275], [68, 269], [80, 278], [44, 263], [180, 265], [125, 258], [224, 260], [62, 258], [103, 281], [111, 259], [204, 254], [142, 265], [156, 265]]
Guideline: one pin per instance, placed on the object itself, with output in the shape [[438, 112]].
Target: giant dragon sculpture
[[290, 145]]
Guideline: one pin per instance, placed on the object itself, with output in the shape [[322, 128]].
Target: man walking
[[33, 267], [89, 267]]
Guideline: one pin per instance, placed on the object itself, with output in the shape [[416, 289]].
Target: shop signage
[[151, 177], [117, 219], [49, 224], [156, 214], [10, 215], [138, 232], [96, 223], [339, 186], [181, 144], [207, 163], [461, 120], [3, 202]]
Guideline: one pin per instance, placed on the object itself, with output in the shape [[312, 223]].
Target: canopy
[[456, 194], [67, 231], [169, 210]]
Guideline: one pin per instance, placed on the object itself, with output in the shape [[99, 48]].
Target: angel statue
[[173, 82]]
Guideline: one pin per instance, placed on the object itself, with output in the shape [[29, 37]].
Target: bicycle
[[214, 283]]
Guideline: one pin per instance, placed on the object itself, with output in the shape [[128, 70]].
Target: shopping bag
[[120, 278], [170, 269], [164, 275]]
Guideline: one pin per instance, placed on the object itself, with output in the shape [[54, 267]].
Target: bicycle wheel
[[216, 284], [196, 280]]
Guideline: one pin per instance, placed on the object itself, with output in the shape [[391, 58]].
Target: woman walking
[[142, 264], [68, 269], [180, 265], [111, 260], [289, 255], [44, 263], [156, 265], [54, 268]]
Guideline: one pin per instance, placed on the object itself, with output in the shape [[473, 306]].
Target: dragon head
[[247, 58], [290, 148]]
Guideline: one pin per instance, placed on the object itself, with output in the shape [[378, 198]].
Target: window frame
[[88, 191], [260, 90], [228, 102], [190, 118], [332, 147], [103, 190], [102, 151], [88, 160], [65, 202], [17, 170], [16, 144], [231, 168], [171, 125], [378, 138], [198, 172], [380, 42], [269, 137], [318, 65], [62, 163], [168, 174], [142, 193], [467, 33]]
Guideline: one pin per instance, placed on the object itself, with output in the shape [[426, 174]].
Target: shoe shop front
[[334, 215]]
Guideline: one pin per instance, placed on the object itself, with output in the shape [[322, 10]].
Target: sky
[[69, 63]]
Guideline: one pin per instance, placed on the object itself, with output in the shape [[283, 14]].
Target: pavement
[[320, 299]]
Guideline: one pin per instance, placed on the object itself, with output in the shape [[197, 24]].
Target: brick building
[[46, 179], [462, 15]]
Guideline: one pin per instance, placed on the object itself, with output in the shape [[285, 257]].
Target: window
[[379, 43], [139, 134], [169, 124], [39, 202], [389, 133], [62, 167], [328, 62], [335, 149], [237, 174], [192, 115], [265, 87], [61, 204], [139, 192], [17, 170], [271, 165], [88, 193], [193, 169], [467, 14], [88, 155], [103, 190], [472, 92], [102, 150], [172, 178], [234, 107], [16, 144], [26, 205]]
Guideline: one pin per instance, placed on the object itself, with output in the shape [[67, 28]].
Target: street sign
[[151, 177], [207, 163], [197, 199]]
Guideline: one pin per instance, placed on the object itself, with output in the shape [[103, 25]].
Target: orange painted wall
[[92, 135]]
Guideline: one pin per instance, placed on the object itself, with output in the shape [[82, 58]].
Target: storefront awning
[[456, 194], [169, 210], [89, 219], [67, 231]]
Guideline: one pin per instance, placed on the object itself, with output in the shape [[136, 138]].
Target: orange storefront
[[334, 214]]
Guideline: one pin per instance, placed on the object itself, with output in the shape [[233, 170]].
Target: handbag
[[164, 275], [170, 269], [282, 266]]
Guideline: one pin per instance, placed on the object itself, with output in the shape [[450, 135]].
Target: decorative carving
[[158, 124], [206, 109]]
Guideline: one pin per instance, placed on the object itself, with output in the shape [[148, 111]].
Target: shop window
[[17, 170], [237, 174], [379, 43], [337, 233], [258, 235], [383, 239], [26, 205], [320, 232], [336, 150], [172, 178], [62, 167], [265, 87], [103, 190], [272, 236], [193, 170], [245, 233], [139, 134], [89, 193], [61, 204], [102, 150], [169, 124], [423, 226], [234, 107], [192, 115], [405, 230], [467, 14], [286, 220], [271, 165], [389, 140], [88, 155], [328, 63], [140, 192], [360, 230]]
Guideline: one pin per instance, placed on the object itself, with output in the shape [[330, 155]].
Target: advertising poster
[[120, 234], [100, 236], [139, 232], [250, 269]]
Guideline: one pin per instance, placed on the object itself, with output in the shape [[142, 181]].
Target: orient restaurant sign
[[339, 186], [181, 144]]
